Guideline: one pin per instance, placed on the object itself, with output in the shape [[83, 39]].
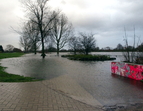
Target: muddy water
[[95, 77]]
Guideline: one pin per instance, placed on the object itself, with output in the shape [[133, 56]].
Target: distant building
[[1, 48]]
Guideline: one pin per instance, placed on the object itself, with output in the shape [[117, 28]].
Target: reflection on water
[[94, 76], [34, 66]]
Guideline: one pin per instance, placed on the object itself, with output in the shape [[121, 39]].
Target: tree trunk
[[75, 52], [58, 49], [43, 50], [35, 48], [86, 51]]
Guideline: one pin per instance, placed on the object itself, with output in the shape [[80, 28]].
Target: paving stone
[[36, 96], [66, 85]]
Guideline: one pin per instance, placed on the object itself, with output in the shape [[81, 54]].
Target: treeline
[[51, 30], [44, 27]]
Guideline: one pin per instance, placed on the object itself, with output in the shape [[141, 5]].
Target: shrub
[[89, 57]]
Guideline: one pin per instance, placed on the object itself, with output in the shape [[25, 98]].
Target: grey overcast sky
[[104, 18]]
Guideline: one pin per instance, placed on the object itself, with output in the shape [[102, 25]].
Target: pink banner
[[132, 71]]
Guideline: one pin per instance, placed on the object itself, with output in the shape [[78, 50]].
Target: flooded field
[[95, 77]]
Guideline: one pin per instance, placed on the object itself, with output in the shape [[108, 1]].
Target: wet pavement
[[110, 91], [38, 96]]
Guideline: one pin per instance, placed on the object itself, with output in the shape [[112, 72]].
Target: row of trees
[[85, 43], [50, 28], [120, 47], [43, 27]]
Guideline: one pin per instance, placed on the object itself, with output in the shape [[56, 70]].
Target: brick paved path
[[58, 94]]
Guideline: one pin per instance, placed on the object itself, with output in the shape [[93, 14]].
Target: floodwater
[[94, 76]]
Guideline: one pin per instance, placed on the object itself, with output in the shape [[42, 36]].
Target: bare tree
[[40, 14], [33, 34], [9, 48], [133, 53], [29, 37], [61, 31], [126, 53], [50, 44], [88, 42], [74, 44], [119, 47], [129, 53], [25, 42]]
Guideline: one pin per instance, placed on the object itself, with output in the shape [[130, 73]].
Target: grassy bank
[[6, 77], [10, 55], [89, 57]]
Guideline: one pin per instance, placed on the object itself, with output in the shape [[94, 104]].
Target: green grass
[[6, 77], [88, 57], [10, 55]]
